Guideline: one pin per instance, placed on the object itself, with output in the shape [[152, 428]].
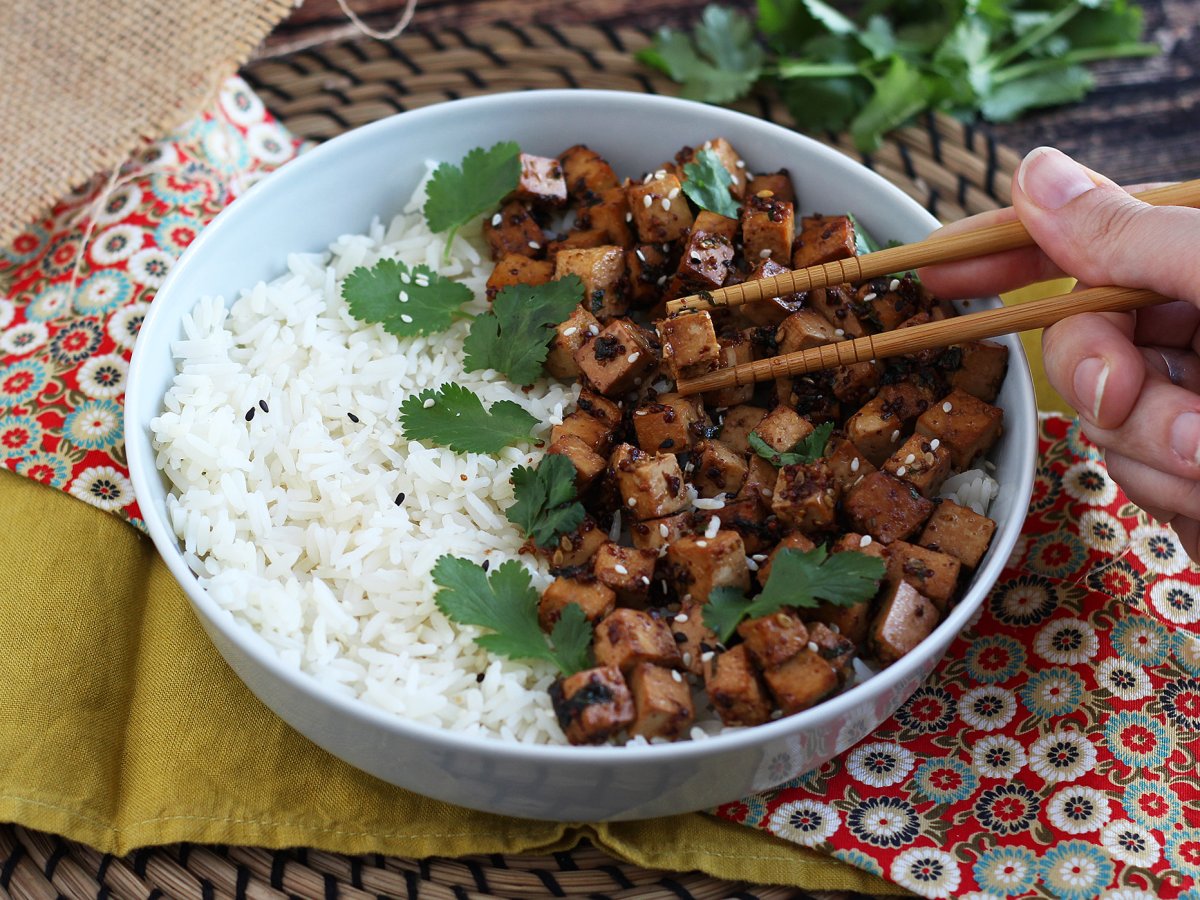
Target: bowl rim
[[140, 457]]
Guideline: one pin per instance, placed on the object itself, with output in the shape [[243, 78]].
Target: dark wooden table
[[1140, 124]]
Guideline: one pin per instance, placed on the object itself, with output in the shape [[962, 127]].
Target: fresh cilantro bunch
[[452, 416], [798, 578], [898, 58], [807, 449], [546, 500]]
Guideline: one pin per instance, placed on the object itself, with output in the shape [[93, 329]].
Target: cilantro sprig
[[506, 602], [457, 419], [457, 194], [798, 578], [514, 337], [546, 500], [407, 302], [707, 183], [807, 449], [898, 58]]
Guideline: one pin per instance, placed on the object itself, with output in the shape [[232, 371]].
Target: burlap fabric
[[85, 81]]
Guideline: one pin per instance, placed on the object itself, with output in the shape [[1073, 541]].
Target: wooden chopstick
[[973, 327], [981, 242]]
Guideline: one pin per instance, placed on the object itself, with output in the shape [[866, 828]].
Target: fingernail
[[1052, 179], [1091, 376], [1185, 436]]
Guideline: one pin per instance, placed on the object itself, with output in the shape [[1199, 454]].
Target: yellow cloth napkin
[[121, 726], [1048, 399]]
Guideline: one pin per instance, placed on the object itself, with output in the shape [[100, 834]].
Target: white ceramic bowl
[[336, 189]]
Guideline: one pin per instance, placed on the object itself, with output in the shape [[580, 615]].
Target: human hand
[[1133, 377]]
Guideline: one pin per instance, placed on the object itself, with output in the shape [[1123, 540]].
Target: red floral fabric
[[72, 296], [1053, 752]]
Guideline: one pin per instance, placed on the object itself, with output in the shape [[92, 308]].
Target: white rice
[[973, 488]]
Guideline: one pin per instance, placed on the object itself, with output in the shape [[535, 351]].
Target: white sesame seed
[[567, 332], [647, 201], [666, 248], [682, 617], [764, 253], [895, 435], [934, 444], [759, 557], [661, 280], [869, 297], [702, 544], [641, 255], [594, 329], [646, 580], [751, 564], [894, 284], [812, 645], [405, 278], [663, 529], [663, 582], [497, 219], [911, 458], [865, 541], [620, 569], [947, 406], [675, 674], [422, 281], [714, 525], [406, 319], [687, 659], [428, 404], [767, 492], [666, 204], [741, 164], [404, 296], [633, 357], [900, 472], [660, 173], [628, 217], [673, 193], [646, 180], [632, 501], [534, 245], [641, 412], [835, 627], [854, 463], [707, 655], [839, 332]]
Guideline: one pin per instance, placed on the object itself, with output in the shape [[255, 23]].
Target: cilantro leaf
[[1061, 85], [863, 242], [807, 449], [726, 607], [901, 93], [458, 420], [407, 302], [707, 183], [546, 505], [719, 62], [506, 602], [514, 337], [455, 196]]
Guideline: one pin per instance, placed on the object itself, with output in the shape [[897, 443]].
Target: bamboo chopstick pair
[[976, 326]]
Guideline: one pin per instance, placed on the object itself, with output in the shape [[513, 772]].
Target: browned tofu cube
[[958, 531], [823, 239], [774, 638], [591, 431], [513, 230], [719, 470], [703, 265], [855, 384], [576, 547], [802, 681], [734, 352], [982, 368], [860, 543], [965, 424], [776, 309], [667, 424], [651, 484], [595, 599], [599, 407], [905, 618], [768, 227], [748, 517], [569, 336], [793, 541], [879, 427], [760, 481], [697, 564], [929, 357], [838, 306], [689, 343], [602, 271], [541, 180], [616, 359], [806, 496], [932, 573], [887, 308], [696, 641], [737, 425], [920, 462], [589, 464], [734, 688], [662, 700], [610, 216], [835, 647], [778, 183], [653, 534], [586, 173], [516, 268], [626, 570], [660, 209], [592, 705], [649, 267], [783, 428], [885, 508], [626, 637], [577, 239], [803, 329], [709, 222], [846, 462]]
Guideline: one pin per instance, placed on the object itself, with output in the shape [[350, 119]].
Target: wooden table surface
[[1140, 124]]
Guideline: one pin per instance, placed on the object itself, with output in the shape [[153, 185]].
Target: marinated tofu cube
[[655, 534], [516, 268], [833, 646], [801, 681], [589, 464], [719, 470], [860, 543], [587, 174], [592, 705], [932, 573], [541, 180], [846, 462], [929, 357], [596, 600], [569, 336], [793, 541], [577, 547], [774, 638], [737, 425], [660, 209], [697, 564], [806, 496], [591, 431], [776, 309], [734, 688], [823, 239], [662, 700], [768, 227], [885, 508], [803, 329], [760, 481], [651, 484], [626, 637], [838, 306], [689, 343], [965, 424], [778, 183], [709, 222], [734, 352], [748, 517], [610, 216], [729, 159], [886, 309], [703, 265], [921, 462], [577, 239], [599, 407], [513, 230], [626, 570], [667, 425], [857, 383], [783, 428], [982, 368], [958, 531], [649, 267], [602, 271], [877, 428], [905, 618], [617, 358], [696, 641]]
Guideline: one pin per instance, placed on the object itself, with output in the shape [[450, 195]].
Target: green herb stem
[[1082, 55], [1033, 36]]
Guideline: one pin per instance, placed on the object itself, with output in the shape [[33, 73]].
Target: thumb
[[1095, 231]]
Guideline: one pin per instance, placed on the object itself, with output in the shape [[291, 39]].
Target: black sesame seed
[[353, 418], [486, 564], [250, 414], [262, 404], [680, 637], [400, 498], [479, 678]]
